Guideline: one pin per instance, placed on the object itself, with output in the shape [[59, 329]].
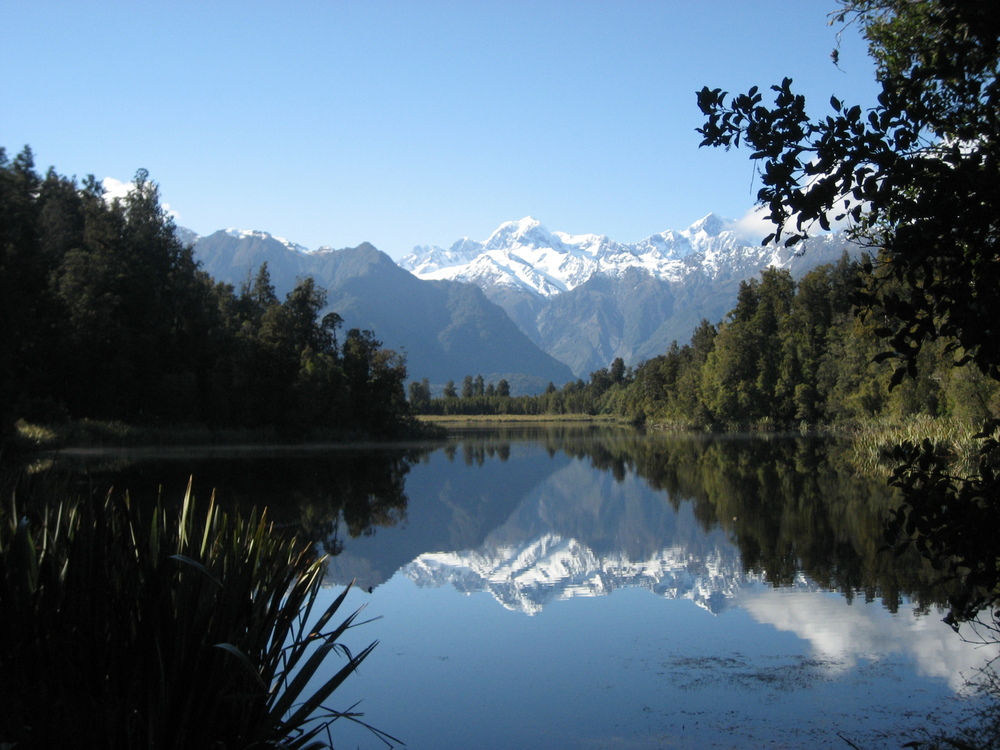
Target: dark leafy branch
[[917, 177]]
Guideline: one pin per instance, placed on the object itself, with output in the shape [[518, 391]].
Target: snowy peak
[[711, 226], [426, 259], [254, 234], [528, 232], [521, 254], [525, 255]]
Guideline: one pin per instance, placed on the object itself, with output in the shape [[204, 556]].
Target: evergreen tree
[[468, 390], [22, 278], [420, 396], [617, 371], [106, 314], [375, 378], [257, 297]]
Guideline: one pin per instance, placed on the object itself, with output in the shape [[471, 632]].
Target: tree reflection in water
[[793, 506], [329, 492]]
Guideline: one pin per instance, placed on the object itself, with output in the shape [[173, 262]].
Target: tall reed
[[953, 439], [125, 628]]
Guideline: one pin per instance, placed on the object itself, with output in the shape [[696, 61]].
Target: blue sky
[[406, 123]]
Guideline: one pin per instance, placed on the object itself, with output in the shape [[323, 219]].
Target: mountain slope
[[586, 299], [447, 329]]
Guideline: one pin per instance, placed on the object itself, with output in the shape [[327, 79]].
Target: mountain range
[[447, 329], [586, 299], [526, 304]]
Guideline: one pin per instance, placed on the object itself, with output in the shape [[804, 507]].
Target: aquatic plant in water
[[163, 629]]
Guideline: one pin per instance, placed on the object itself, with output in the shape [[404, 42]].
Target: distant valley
[[526, 304]]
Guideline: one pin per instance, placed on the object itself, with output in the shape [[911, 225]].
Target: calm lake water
[[597, 588]]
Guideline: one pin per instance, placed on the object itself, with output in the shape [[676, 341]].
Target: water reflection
[[842, 637], [576, 587], [539, 513], [581, 532], [693, 515], [330, 492]]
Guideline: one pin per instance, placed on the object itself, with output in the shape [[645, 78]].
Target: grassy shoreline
[[33, 437], [86, 433], [873, 440]]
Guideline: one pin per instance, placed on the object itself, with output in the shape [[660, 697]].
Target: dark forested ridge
[[106, 314]]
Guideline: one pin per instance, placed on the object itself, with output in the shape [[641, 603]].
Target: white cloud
[[115, 188], [118, 189], [755, 223]]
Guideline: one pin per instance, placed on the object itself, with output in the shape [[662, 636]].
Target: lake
[[593, 587]]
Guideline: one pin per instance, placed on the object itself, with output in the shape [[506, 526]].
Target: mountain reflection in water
[[598, 543], [584, 533], [539, 515]]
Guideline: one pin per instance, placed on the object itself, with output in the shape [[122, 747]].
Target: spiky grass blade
[[160, 630], [309, 706], [244, 662]]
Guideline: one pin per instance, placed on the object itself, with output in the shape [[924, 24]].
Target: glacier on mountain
[[525, 255]]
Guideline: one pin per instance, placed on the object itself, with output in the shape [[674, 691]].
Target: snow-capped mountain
[[581, 299], [524, 255], [447, 329], [255, 234], [586, 299]]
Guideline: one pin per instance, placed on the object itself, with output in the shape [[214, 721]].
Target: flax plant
[[126, 629]]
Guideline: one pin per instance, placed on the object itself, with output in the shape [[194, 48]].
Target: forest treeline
[[788, 353], [106, 315]]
